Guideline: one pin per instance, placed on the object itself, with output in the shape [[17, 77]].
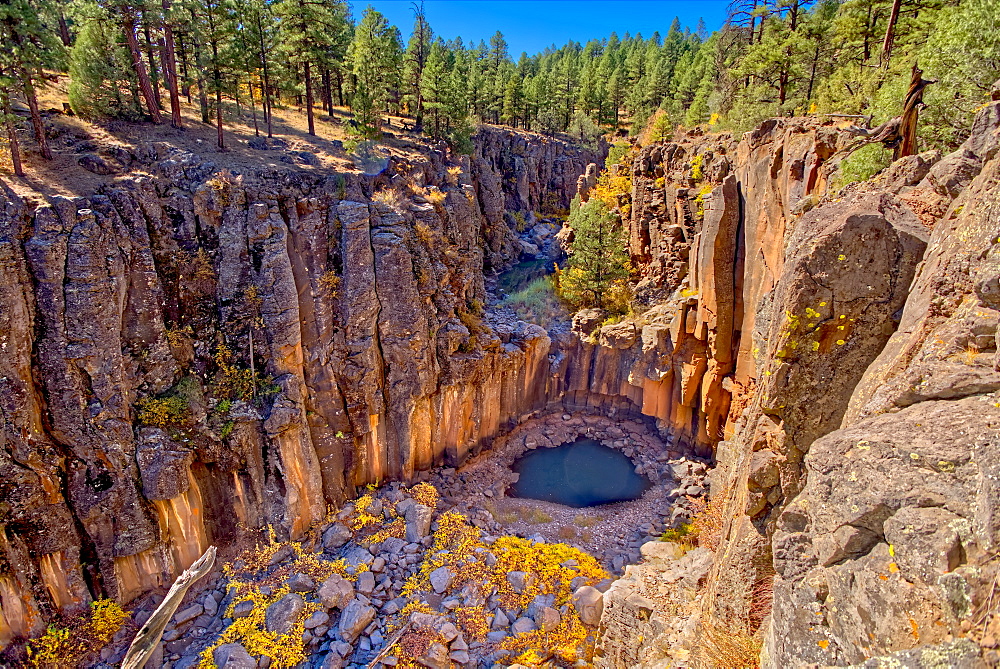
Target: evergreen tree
[[417, 53], [598, 256], [375, 56], [29, 45], [129, 13], [312, 31], [100, 74]]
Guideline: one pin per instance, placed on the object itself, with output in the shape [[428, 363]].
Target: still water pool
[[583, 473]]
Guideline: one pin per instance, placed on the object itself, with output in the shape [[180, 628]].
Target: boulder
[[435, 657], [301, 583], [441, 579], [188, 614], [316, 619], [418, 522], [547, 618], [233, 656], [336, 592], [365, 583], [589, 603], [354, 619], [336, 536], [523, 626], [283, 614]]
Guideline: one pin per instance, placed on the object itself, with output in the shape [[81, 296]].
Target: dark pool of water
[[520, 275], [584, 473]]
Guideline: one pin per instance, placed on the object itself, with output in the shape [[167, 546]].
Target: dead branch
[[149, 636]]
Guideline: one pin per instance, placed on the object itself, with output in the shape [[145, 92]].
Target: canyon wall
[[191, 354], [840, 348]]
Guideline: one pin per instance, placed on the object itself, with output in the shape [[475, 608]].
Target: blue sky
[[532, 25]]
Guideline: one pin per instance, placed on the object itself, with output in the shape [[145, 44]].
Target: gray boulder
[[282, 615], [233, 656], [336, 592], [355, 618]]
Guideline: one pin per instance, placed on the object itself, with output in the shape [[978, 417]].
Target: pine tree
[[598, 256], [309, 28], [100, 72], [28, 46], [128, 12], [375, 56], [417, 54], [435, 88], [170, 65], [9, 120]]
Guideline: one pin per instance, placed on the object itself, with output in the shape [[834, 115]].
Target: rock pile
[[393, 578]]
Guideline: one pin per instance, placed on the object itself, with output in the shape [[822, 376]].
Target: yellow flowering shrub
[[65, 646], [458, 545], [425, 494], [246, 583], [474, 622], [365, 518]]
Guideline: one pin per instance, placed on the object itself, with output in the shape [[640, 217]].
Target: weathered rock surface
[[850, 362], [127, 297]]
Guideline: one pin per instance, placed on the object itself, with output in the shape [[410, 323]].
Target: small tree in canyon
[[598, 265]]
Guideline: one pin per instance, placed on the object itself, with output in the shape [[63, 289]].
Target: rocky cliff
[[191, 353], [837, 350]]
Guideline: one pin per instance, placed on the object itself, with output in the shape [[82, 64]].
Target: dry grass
[[501, 516], [969, 354], [586, 521], [708, 520], [761, 600], [537, 303], [435, 195], [728, 649], [330, 281], [391, 198], [424, 233], [567, 533], [534, 516], [454, 175]]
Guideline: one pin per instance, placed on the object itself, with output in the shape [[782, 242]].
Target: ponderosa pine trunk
[[22, 72], [268, 106], [309, 98], [154, 79], [170, 68], [145, 87], [217, 76], [15, 149], [36, 117], [64, 31]]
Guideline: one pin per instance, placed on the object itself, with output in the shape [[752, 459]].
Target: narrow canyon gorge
[[195, 355]]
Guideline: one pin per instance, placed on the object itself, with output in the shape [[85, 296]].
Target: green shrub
[[863, 164], [163, 411], [537, 303], [617, 153]]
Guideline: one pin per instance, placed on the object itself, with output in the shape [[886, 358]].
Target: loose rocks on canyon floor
[[454, 594]]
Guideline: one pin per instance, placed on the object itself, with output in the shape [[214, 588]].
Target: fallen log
[[145, 642]]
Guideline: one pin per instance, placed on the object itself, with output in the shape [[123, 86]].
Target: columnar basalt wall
[[856, 338], [362, 322], [709, 220]]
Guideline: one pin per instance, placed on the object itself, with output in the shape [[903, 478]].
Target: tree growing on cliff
[[597, 271]]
